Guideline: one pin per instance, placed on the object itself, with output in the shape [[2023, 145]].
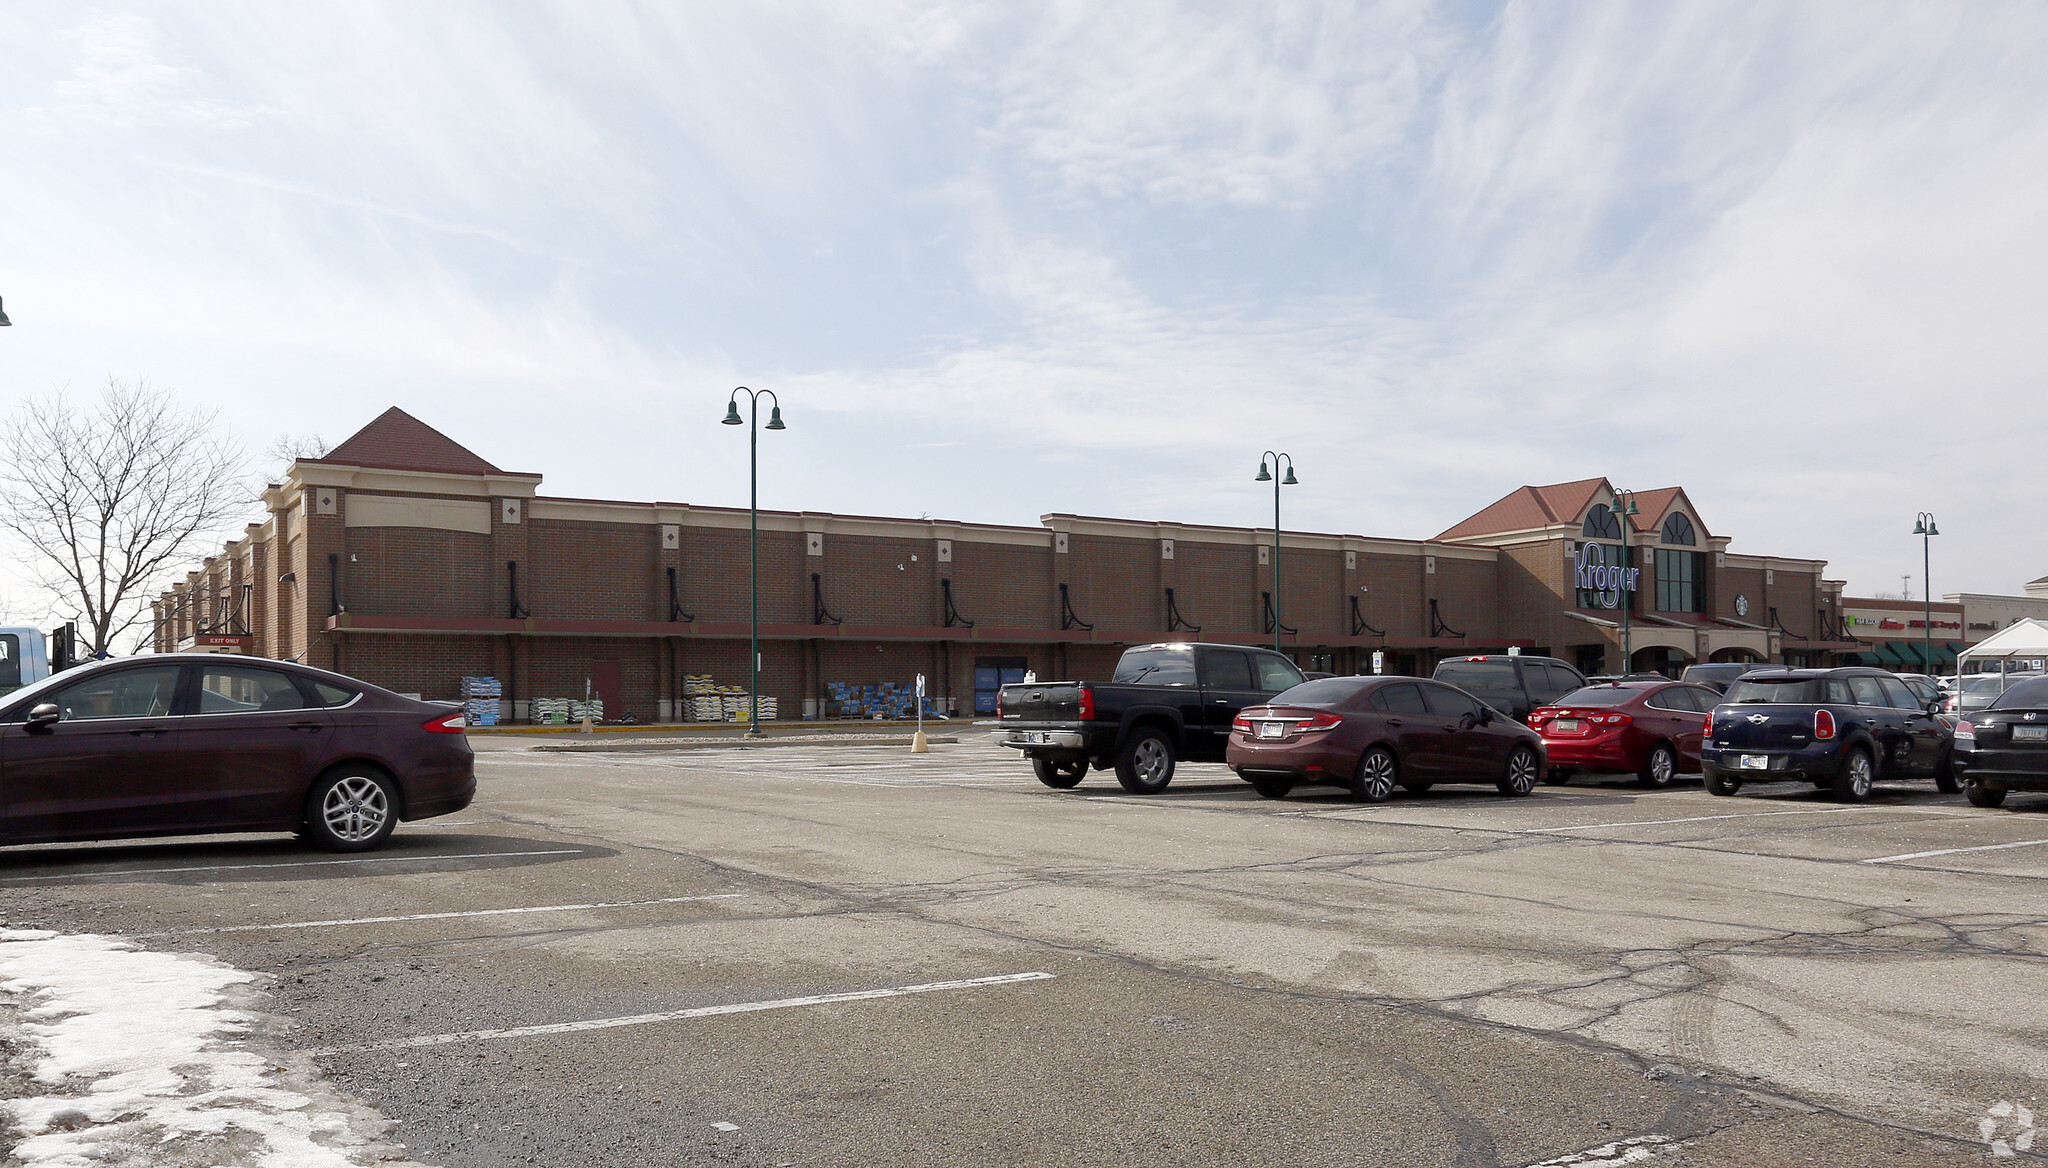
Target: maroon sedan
[[1649, 728], [1372, 734], [179, 744]]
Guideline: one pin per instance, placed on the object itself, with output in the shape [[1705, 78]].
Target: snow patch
[[147, 1062]]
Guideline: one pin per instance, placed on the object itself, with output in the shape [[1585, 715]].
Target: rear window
[[1156, 667], [1326, 691], [1598, 695], [1982, 685], [2025, 695], [1489, 680], [1773, 690], [10, 661]]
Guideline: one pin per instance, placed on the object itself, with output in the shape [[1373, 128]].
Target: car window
[[1772, 690], [1226, 669], [1399, 698], [1675, 698], [1155, 667], [1276, 673], [1323, 691], [1865, 691], [2027, 695], [244, 689], [1449, 702], [1898, 696], [332, 695], [120, 693], [1557, 680], [1492, 681], [1835, 691]]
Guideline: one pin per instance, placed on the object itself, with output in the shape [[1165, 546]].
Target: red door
[[609, 685]]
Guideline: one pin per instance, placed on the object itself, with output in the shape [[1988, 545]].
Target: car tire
[[1377, 774], [1519, 776], [1145, 764], [1852, 784], [1945, 779], [350, 809], [1984, 796], [1660, 767], [1416, 788], [1718, 783], [1271, 786], [1558, 776], [1058, 773]]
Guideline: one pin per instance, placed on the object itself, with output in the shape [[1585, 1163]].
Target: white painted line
[[679, 1015], [292, 864], [1633, 1150], [1953, 851], [1687, 819], [439, 916]]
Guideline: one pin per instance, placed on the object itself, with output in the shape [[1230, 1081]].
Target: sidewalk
[[712, 736]]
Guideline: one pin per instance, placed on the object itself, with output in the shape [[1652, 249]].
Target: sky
[[1001, 260]]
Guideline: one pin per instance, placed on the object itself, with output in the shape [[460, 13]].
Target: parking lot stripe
[[679, 1015], [1953, 851], [1689, 819], [439, 916], [292, 864]]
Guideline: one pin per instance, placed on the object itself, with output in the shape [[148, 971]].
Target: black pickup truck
[[1164, 703]]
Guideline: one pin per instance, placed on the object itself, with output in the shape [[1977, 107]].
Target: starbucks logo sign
[[1741, 605]]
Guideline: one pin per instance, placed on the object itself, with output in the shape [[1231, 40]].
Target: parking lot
[[840, 955]]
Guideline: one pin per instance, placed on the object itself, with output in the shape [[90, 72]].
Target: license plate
[[1272, 729], [1566, 725], [2030, 733], [1039, 736], [1754, 762]]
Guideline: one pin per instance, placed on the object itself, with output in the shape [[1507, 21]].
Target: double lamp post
[[732, 418]]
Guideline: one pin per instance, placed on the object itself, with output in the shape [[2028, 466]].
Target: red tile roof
[[398, 441], [1527, 507]]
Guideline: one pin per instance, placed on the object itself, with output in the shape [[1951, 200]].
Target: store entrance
[[991, 674]]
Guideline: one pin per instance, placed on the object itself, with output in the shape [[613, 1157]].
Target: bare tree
[[289, 448], [107, 502]]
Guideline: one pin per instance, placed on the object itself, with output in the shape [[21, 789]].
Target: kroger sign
[[1608, 580]]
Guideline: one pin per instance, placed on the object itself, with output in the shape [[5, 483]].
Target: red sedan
[[1651, 728]]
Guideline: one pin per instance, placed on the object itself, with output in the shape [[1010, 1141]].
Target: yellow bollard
[[918, 745]]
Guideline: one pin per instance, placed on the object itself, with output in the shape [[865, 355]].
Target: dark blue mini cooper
[[1839, 729]]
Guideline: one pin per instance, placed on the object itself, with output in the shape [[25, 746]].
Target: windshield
[[1754, 690], [1983, 685], [2024, 695], [1163, 666], [1599, 695]]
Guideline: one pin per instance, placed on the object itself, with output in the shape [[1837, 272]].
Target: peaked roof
[[1528, 507], [398, 441]]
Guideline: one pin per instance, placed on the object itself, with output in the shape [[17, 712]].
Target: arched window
[[1678, 530], [1600, 523]]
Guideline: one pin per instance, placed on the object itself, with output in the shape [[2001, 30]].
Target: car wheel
[[1853, 784], [1520, 776], [1662, 765], [1376, 776], [1272, 787], [1984, 796], [1945, 779], [1718, 783], [1558, 776], [353, 809], [1416, 788], [1059, 774], [1145, 765]]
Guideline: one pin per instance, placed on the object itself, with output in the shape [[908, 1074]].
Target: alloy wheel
[[1151, 759], [1375, 776], [1859, 774], [356, 809]]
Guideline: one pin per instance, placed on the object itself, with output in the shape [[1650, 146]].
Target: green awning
[[1888, 654]]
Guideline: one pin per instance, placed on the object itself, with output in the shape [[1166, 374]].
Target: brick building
[[405, 559]]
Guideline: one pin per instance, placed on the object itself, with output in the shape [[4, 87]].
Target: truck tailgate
[[1057, 701]]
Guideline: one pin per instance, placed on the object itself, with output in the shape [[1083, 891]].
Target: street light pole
[[1625, 510], [1277, 482], [732, 418], [1923, 526]]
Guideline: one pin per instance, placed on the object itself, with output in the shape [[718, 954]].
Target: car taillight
[[1823, 725], [999, 705], [447, 724], [1241, 724], [1966, 729], [1319, 722], [1543, 715], [1087, 704], [1612, 719]]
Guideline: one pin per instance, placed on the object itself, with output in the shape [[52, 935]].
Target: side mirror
[[44, 716], [1467, 721], [1935, 706]]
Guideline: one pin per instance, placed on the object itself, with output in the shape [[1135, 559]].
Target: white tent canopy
[[2025, 638]]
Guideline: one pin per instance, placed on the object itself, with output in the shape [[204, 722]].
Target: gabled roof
[[398, 441], [1527, 507]]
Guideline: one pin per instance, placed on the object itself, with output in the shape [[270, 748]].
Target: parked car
[[1717, 674], [1650, 728], [177, 744], [1164, 703], [1840, 729], [1372, 734], [1512, 684], [1976, 691], [2004, 746]]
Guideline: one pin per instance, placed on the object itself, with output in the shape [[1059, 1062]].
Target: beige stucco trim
[[359, 478], [473, 516]]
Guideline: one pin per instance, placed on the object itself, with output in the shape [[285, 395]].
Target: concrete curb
[[643, 745]]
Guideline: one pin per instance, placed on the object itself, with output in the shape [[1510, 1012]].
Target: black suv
[[1512, 684], [1839, 729]]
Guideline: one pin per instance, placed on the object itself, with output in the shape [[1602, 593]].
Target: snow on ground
[[145, 1058]]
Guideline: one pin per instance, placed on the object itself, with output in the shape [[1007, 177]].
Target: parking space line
[[1953, 851], [292, 864], [1688, 819], [680, 1015], [439, 916]]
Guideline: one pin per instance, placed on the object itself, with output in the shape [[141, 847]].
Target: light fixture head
[[775, 418], [732, 414], [1290, 480], [4, 322], [1932, 529], [1919, 527], [1264, 477]]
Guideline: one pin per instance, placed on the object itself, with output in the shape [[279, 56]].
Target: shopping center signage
[[1591, 574]]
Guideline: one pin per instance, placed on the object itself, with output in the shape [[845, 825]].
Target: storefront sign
[[1608, 580]]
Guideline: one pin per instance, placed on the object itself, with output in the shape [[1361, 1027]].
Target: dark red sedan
[[178, 744], [1651, 729], [1372, 734]]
